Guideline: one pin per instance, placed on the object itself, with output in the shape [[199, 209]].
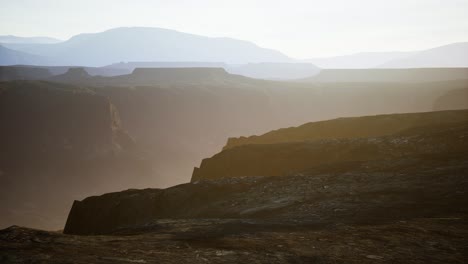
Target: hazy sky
[[299, 28]]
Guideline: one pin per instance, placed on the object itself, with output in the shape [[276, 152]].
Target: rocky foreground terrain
[[406, 217], [417, 240], [397, 197], [395, 218]]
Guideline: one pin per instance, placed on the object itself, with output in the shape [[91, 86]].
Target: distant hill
[[453, 55], [389, 75], [150, 44], [73, 75], [37, 40], [14, 57]]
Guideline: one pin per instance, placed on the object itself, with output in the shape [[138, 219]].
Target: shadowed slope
[[59, 142]]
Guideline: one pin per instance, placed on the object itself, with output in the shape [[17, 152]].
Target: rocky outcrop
[[352, 127], [292, 150]]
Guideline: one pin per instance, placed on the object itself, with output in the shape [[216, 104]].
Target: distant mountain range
[[448, 56], [132, 47]]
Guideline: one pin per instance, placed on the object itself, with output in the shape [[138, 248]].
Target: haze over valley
[[313, 135]]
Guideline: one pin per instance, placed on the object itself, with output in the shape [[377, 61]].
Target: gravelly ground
[[424, 240]]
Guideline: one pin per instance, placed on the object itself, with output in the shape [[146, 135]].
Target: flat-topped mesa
[[340, 144], [75, 74], [178, 74]]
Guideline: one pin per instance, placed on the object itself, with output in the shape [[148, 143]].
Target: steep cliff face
[[41, 119], [59, 142], [351, 140], [419, 172]]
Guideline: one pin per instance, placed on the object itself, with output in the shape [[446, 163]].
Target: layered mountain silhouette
[[149, 44], [157, 45]]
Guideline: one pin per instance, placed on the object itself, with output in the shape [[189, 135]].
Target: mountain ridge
[[158, 44]]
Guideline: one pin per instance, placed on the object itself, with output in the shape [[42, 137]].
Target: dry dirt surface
[[423, 240]]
